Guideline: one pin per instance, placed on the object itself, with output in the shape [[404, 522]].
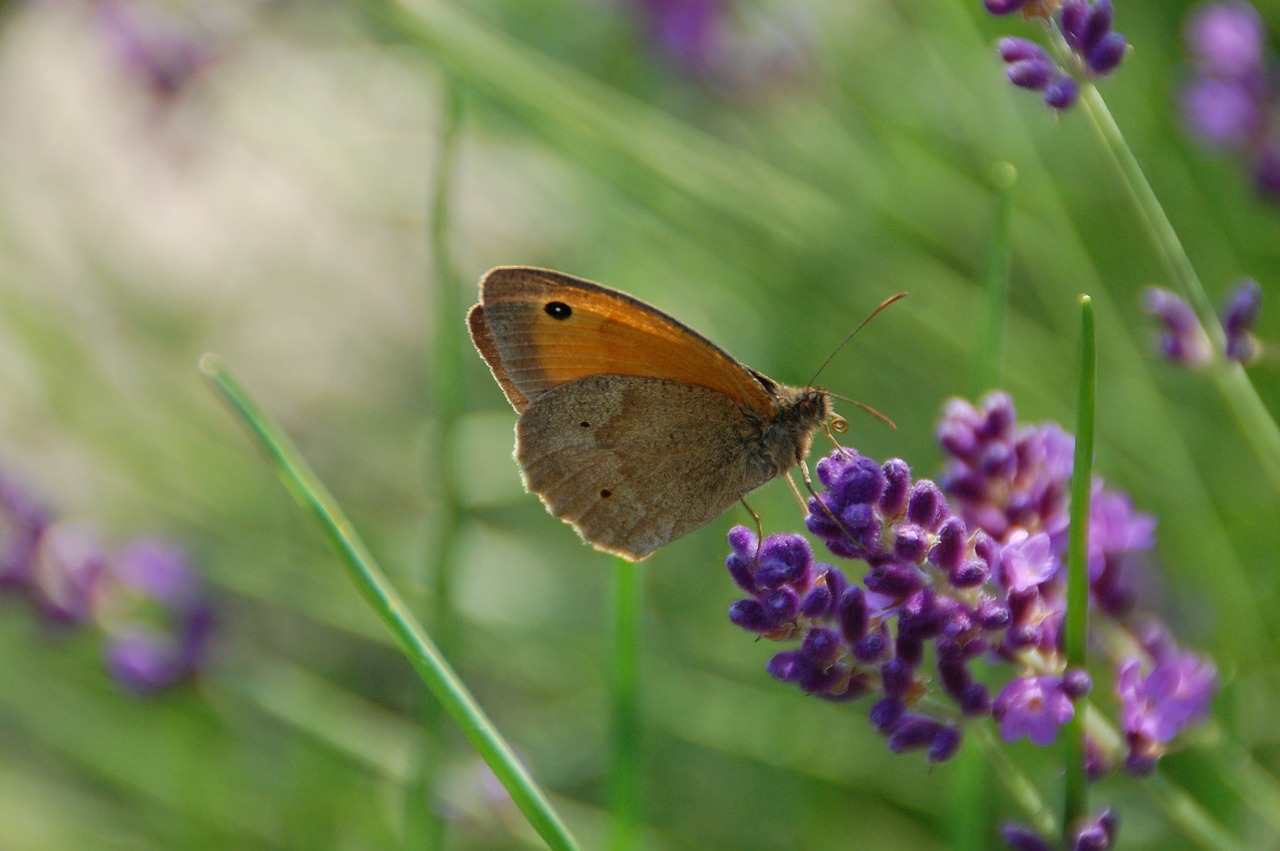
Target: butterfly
[[634, 428]]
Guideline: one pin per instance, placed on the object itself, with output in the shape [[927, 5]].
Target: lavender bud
[[1033, 74]]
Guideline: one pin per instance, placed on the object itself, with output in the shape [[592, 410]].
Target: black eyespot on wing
[[585, 424], [606, 493], [558, 310]]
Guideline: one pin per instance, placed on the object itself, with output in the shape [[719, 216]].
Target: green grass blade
[[1077, 618], [386, 602]]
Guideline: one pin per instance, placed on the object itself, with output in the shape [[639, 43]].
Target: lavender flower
[[155, 615], [1184, 340], [67, 564], [963, 574], [1094, 49], [22, 521], [1229, 100], [1091, 833], [147, 600], [1239, 314], [1034, 707]]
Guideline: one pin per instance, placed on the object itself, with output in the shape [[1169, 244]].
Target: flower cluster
[[1093, 48], [1230, 99], [964, 584], [146, 599], [1184, 341]]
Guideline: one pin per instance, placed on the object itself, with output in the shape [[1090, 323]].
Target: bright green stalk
[[423, 826], [1077, 617], [381, 595], [624, 764]]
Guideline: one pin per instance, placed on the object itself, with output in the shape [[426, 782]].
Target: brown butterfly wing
[[633, 463], [539, 329]]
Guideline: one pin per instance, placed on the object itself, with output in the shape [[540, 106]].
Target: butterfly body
[[633, 428]]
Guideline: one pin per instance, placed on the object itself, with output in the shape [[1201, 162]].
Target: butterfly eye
[[558, 310]]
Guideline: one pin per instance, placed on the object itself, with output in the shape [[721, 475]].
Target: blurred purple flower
[[689, 31], [22, 521], [1239, 314], [731, 47], [148, 600], [1223, 113], [1034, 707], [1174, 695], [66, 569], [1184, 340], [1226, 39], [1095, 832], [1230, 99], [155, 615], [163, 54]]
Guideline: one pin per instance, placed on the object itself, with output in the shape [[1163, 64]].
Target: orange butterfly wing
[[539, 329]]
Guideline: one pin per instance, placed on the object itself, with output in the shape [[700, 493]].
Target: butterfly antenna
[[864, 406], [888, 301]]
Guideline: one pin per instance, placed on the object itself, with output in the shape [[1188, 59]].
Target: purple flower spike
[[1239, 315], [979, 578], [1034, 707], [1184, 340]]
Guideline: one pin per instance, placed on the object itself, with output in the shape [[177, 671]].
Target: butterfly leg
[[759, 525], [808, 483]]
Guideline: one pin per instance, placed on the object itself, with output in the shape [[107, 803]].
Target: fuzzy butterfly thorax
[[633, 428]]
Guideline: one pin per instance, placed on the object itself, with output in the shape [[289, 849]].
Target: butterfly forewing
[[542, 329]]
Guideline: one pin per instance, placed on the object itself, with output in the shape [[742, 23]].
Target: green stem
[[423, 826], [1077, 617], [310, 493], [624, 766], [1021, 790]]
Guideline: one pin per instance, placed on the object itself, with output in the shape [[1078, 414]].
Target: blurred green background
[[277, 207]]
